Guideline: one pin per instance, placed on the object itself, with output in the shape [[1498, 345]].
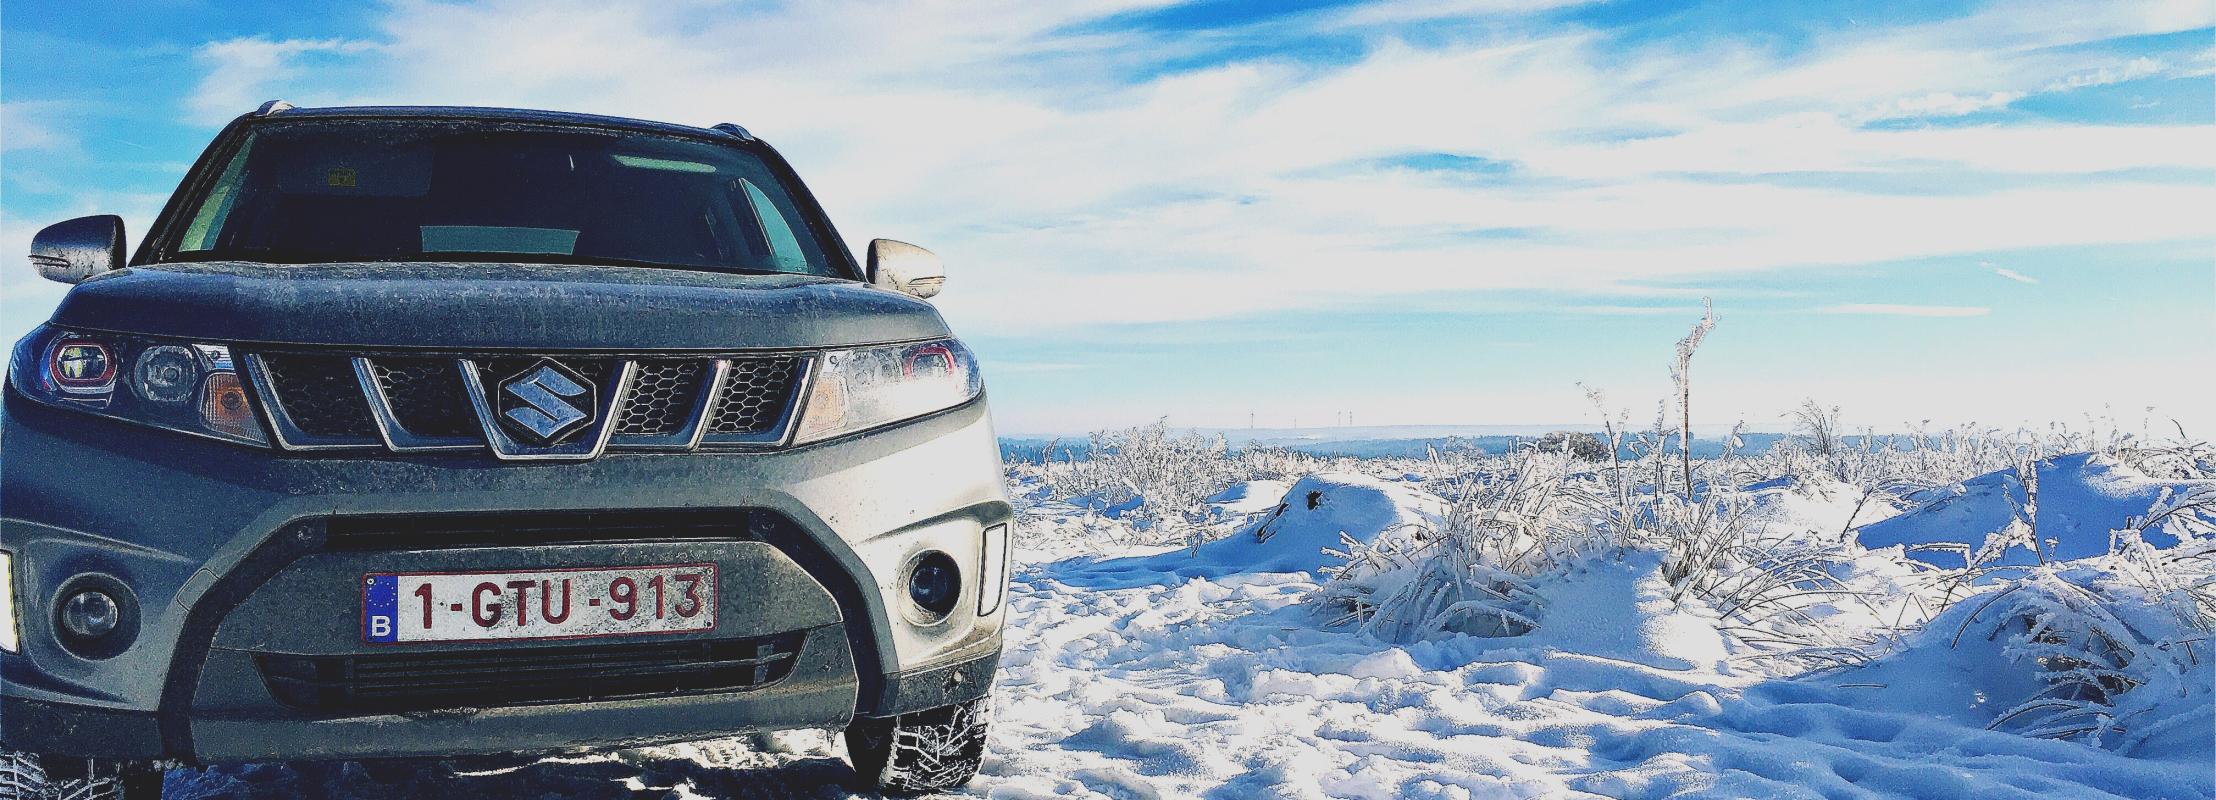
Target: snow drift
[[1318, 514], [2082, 652], [2080, 499]]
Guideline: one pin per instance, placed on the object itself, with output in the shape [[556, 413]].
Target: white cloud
[[28, 126], [242, 73], [1609, 310], [1069, 181], [1949, 104], [2013, 275], [2134, 69], [1897, 310], [1033, 366]]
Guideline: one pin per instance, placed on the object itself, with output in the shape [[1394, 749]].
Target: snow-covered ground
[[1225, 669], [2079, 497], [1170, 673], [1227, 687]]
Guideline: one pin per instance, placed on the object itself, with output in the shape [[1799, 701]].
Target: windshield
[[316, 192]]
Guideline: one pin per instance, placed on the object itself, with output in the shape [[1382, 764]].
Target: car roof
[[283, 111]]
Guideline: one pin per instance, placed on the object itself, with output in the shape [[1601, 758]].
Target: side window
[[784, 247], [200, 235]]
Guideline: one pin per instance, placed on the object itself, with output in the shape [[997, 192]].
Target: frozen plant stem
[[1681, 372]]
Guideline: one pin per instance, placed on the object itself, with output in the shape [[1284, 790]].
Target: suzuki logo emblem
[[548, 401]]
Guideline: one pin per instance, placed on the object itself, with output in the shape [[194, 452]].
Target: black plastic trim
[[396, 682], [935, 687], [313, 535], [80, 731], [197, 637], [861, 618]]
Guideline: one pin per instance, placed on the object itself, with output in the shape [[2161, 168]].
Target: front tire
[[24, 776], [926, 751]]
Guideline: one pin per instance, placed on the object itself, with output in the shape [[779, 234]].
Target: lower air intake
[[386, 683]]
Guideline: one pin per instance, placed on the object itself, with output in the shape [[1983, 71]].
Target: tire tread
[[925, 751]]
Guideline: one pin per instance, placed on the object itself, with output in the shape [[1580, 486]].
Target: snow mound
[[1621, 609], [2081, 498], [1251, 497], [1308, 518], [1312, 516], [2078, 652], [1803, 507]]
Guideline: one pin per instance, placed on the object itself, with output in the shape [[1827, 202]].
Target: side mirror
[[73, 250], [905, 268]]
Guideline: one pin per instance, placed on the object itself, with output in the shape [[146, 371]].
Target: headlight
[[856, 390], [181, 386]]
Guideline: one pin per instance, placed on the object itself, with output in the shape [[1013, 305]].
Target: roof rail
[[273, 107], [734, 130]]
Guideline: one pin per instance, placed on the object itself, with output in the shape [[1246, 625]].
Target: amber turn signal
[[223, 406]]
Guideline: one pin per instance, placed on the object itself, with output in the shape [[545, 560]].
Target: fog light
[[934, 583], [95, 616], [91, 614]]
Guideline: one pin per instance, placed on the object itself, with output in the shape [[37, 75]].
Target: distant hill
[[1411, 441]]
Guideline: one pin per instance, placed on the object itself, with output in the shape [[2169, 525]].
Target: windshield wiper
[[587, 261], [272, 256]]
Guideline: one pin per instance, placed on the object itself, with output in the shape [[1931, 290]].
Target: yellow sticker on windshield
[[339, 176]]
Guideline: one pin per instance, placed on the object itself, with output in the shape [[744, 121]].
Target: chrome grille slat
[[409, 403], [290, 436], [394, 419]]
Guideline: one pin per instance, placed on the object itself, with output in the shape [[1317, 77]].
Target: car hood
[[493, 306]]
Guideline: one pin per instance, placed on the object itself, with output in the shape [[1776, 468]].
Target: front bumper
[[227, 552]]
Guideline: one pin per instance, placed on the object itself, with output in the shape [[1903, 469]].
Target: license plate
[[401, 607]]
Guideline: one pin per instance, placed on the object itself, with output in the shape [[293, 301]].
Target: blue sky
[[1438, 211]]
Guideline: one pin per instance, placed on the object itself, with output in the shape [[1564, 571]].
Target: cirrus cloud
[[1904, 310], [1166, 175]]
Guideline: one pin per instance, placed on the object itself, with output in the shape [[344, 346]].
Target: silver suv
[[435, 431]]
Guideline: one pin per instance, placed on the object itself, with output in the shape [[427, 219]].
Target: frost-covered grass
[[2018, 591], [1765, 544], [1156, 481], [1638, 625]]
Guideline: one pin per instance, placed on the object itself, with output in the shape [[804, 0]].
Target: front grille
[[321, 395], [320, 403], [664, 396], [426, 395], [754, 396], [396, 682], [496, 370]]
